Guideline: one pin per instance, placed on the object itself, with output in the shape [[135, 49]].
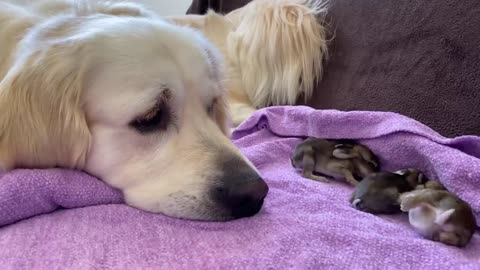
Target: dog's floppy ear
[[42, 122]]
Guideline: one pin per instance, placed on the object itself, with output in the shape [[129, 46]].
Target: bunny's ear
[[367, 155], [422, 216], [422, 179], [344, 145], [443, 217], [374, 163], [343, 153]]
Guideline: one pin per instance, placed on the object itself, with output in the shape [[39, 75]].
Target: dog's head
[[136, 102]]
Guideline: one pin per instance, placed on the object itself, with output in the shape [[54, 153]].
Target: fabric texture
[[28, 193], [419, 59], [303, 225]]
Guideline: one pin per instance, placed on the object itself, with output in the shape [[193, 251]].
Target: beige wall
[[168, 7]]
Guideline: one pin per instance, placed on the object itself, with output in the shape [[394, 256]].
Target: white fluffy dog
[[274, 51], [111, 89]]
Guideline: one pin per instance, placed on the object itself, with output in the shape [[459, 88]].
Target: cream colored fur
[[274, 51], [74, 75]]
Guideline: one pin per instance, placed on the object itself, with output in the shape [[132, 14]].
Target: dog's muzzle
[[240, 189]]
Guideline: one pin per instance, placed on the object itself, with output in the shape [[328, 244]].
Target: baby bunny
[[336, 159], [440, 216], [379, 193]]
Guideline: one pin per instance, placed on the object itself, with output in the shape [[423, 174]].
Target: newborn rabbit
[[335, 159], [379, 193], [440, 216]]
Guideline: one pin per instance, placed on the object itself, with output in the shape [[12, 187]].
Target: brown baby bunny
[[439, 215], [379, 193], [335, 159]]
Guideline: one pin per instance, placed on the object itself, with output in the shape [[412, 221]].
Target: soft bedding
[[59, 219]]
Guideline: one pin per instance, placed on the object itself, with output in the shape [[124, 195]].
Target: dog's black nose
[[242, 198], [239, 189], [246, 199]]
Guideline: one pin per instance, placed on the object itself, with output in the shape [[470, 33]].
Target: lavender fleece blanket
[[58, 219]]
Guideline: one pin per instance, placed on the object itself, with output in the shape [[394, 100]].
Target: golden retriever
[[274, 51], [112, 89]]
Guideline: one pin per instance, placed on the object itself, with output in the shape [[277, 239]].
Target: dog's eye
[[156, 119], [211, 107]]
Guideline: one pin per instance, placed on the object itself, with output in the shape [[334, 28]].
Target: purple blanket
[[304, 224]]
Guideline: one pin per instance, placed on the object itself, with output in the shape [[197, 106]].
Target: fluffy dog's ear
[[42, 122], [279, 48]]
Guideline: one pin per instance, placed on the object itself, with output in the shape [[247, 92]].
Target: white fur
[[274, 50]]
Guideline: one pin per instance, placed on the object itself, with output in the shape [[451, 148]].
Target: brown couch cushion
[[417, 58]]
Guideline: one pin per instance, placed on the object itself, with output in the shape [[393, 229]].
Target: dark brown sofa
[[417, 58]]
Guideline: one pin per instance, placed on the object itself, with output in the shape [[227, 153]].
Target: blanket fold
[[304, 224], [27, 193]]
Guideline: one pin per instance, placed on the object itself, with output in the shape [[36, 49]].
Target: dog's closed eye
[[156, 119], [211, 107], [215, 108]]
